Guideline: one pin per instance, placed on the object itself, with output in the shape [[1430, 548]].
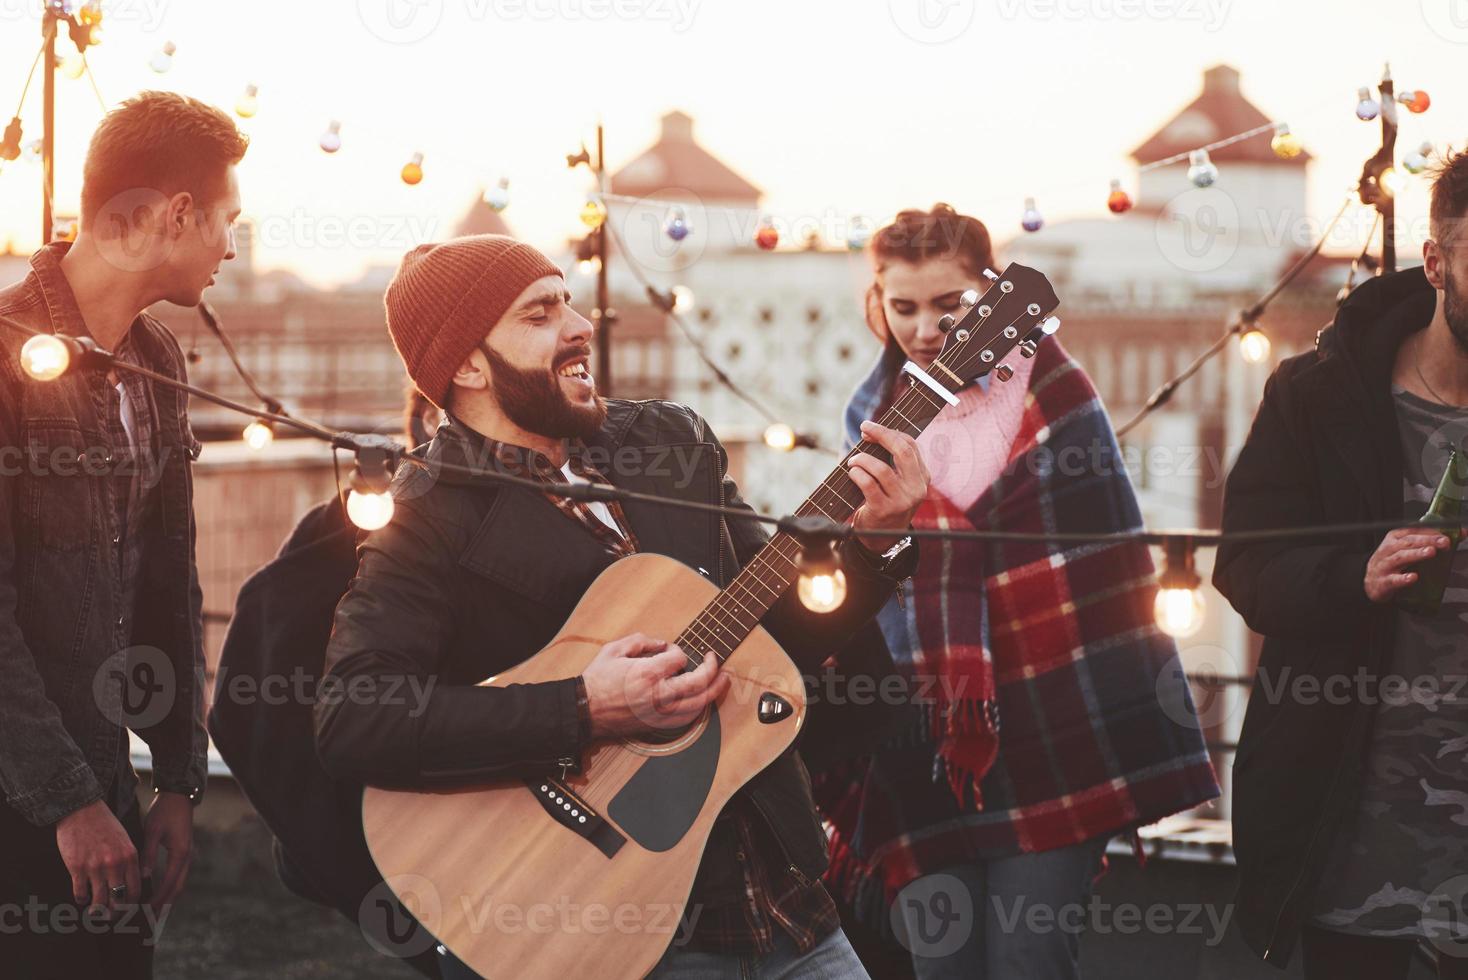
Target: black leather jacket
[[472, 577]]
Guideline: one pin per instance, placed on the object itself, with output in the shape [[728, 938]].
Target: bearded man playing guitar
[[472, 577]]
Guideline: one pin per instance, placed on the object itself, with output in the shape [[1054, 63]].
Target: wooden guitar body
[[589, 876]]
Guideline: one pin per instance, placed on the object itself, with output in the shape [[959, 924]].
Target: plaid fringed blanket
[[1048, 709]]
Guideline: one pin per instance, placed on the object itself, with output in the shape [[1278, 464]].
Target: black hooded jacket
[[1323, 449]]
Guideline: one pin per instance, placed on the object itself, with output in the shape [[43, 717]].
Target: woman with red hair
[[1058, 715]]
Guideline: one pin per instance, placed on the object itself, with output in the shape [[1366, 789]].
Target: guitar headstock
[[1013, 312]]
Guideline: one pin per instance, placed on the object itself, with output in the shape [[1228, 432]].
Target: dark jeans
[[44, 934]]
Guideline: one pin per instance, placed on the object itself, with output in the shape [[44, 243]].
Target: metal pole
[[1387, 204], [48, 123], [604, 315]]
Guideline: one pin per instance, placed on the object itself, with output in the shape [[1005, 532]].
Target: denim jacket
[[76, 669]]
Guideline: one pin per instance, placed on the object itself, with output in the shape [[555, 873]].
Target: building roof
[[677, 163], [1219, 111]]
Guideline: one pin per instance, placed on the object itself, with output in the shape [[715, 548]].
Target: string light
[[1179, 605], [162, 59], [1417, 102], [1201, 169], [1416, 161], [1285, 144], [822, 584], [10, 144], [860, 233], [1118, 201], [1392, 181], [676, 226], [593, 214], [412, 172], [767, 236], [782, 438], [683, 299], [1254, 345], [259, 434], [1031, 220], [46, 357], [369, 504], [249, 103], [331, 140], [1367, 108], [589, 267], [497, 196], [73, 66]]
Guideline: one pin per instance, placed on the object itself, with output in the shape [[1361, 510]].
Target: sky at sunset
[[864, 106]]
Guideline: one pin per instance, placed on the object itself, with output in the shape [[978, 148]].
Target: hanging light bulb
[[1179, 605], [780, 436], [498, 196], [1031, 219], [33, 151], [331, 140], [682, 299], [767, 236], [1416, 161], [1416, 102], [259, 434], [593, 213], [822, 584], [1118, 201], [676, 225], [589, 267], [162, 59], [248, 104], [46, 357], [1201, 170], [859, 234], [90, 17], [412, 172], [369, 502], [1367, 108], [10, 144], [73, 66], [1392, 181], [1285, 144], [1254, 345], [64, 229]]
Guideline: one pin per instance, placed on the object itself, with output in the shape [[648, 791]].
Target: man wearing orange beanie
[[473, 577]]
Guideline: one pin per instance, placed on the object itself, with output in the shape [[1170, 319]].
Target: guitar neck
[[724, 623]]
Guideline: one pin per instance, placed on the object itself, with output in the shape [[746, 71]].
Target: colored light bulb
[[413, 170]]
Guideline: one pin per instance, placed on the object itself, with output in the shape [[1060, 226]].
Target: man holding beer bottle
[[1351, 777]]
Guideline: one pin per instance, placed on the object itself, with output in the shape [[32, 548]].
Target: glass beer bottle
[[1425, 595]]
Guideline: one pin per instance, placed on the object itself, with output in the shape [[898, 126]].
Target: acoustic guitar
[[587, 874]]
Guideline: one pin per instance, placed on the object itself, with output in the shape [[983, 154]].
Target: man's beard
[[1455, 309], [532, 399]]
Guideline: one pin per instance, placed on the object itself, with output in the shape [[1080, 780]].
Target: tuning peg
[[991, 275], [1050, 324], [1004, 372], [1027, 348], [969, 298], [946, 322]]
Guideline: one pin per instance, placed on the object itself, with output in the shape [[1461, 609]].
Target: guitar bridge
[[571, 812]]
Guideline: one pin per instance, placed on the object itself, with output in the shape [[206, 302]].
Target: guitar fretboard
[[730, 617]]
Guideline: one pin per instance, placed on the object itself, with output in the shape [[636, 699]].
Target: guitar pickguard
[[663, 798]]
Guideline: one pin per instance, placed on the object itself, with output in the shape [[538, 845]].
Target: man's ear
[[1432, 263], [474, 371], [176, 218]]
